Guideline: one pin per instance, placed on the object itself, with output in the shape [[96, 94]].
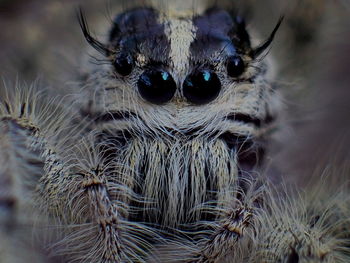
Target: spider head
[[181, 72], [181, 96]]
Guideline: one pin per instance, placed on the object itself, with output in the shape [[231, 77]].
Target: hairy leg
[[21, 166], [305, 227], [90, 210], [65, 195]]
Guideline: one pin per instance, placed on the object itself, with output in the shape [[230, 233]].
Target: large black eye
[[156, 86], [235, 66], [123, 64], [201, 87]]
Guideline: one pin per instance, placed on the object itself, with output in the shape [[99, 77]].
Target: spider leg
[[21, 166], [86, 199], [233, 232], [290, 228], [305, 229], [227, 237], [45, 188]]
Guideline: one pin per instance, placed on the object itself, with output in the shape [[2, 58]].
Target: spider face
[[163, 165], [184, 101]]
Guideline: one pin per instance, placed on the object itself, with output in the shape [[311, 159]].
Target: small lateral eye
[[235, 66], [123, 64]]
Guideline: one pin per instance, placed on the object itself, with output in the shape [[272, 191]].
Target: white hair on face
[[181, 34]]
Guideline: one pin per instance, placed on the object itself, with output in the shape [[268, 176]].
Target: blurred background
[[41, 39]]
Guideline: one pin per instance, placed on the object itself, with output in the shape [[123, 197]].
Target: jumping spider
[[159, 161]]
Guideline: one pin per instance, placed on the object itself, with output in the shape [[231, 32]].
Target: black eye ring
[[201, 86], [123, 64], [156, 86], [235, 66]]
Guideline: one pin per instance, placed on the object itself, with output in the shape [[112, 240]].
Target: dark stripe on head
[[218, 31], [245, 119], [112, 116], [103, 117], [250, 119], [250, 152], [139, 31]]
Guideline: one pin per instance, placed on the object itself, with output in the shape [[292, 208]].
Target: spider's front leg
[[311, 227], [24, 125], [43, 185], [227, 238], [86, 199], [17, 169], [230, 237]]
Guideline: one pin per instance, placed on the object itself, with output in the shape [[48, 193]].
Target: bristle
[[97, 45], [262, 47]]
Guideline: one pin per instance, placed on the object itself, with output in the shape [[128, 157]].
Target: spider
[[158, 159]]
